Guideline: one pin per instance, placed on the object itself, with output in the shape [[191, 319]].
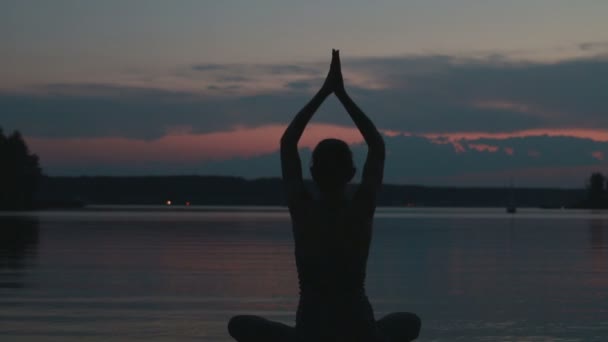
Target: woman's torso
[[331, 250]]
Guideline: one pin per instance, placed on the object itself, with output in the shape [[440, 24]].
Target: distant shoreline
[[160, 214], [75, 192]]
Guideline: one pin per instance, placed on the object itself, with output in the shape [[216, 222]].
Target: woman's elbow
[[284, 140]]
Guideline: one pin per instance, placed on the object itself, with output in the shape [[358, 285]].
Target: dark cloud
[[288, 69], [225, 89], [108, 91], [299, 85], [233, 78], [594, 46], [208, 67], [420, 94], [564, 94], [417, 160], [276, 69], [98, 110]]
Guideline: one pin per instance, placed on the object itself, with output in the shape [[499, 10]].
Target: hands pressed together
[[290, 160], [334, 82]]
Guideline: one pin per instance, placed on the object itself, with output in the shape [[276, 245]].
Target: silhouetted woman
[[332, 236]]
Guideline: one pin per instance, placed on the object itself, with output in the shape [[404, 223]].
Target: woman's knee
[[403, 326], [248, 328], [238, 325]]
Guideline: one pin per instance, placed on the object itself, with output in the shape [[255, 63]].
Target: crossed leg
[[394, 327], [399, 327], [247, 328]]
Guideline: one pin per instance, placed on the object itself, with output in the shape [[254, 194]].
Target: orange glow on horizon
[[584, 133], [183, 146], [246, 142], [483, 147]]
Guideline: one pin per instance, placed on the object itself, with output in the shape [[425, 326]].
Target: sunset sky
[[467, 92]]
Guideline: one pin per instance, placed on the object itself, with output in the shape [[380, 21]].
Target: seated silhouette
[[332, 236]]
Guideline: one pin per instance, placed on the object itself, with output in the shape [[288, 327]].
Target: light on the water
[[168, 202]]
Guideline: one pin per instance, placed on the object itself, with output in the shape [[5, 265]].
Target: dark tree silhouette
[[596, 194], [20, 173]]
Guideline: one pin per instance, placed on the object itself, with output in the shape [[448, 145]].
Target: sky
[[466, 92]]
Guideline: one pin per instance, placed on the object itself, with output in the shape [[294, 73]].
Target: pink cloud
[[599, 155], [509, 151], [179, 145], [503, 105], [391, 133], [458, 148], [456, 144], [593, 134], [483, 147]]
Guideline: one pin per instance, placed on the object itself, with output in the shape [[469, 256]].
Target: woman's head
[[332, 165]]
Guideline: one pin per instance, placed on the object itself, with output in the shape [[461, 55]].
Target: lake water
[[155, 274]]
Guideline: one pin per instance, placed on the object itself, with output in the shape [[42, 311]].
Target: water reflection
[[599, 253], [596, 233], [18, 245], [180, 276]]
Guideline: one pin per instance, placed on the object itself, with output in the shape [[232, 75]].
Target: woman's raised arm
[[291, 165], [374, 164]]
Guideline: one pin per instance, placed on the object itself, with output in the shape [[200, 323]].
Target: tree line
[[597, 192], [21, 177], [20, 173]]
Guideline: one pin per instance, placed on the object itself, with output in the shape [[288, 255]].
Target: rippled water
[[139, 273]]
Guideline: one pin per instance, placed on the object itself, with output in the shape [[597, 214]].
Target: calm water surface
[[140, 273]]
